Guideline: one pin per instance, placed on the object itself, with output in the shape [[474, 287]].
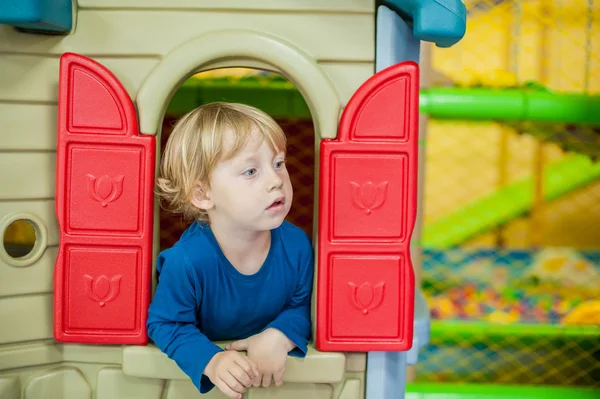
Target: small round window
[[24, 239], [19, 238]]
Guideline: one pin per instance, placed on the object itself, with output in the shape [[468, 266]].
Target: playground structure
[[76, 300], [522, 332], [495, 210]]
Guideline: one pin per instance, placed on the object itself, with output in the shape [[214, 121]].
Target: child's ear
[[201, 198]]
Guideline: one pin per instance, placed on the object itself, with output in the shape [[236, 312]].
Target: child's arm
[[294, 320], [172, 321]]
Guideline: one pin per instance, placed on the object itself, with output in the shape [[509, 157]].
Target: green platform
[[490, 391]]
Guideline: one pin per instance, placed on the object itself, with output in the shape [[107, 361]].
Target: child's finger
[[266, 379], [240, 345], [257, 380], [254, 367], [242, 375], [232, 383], [222, 385], [247, 365], [278, 378]]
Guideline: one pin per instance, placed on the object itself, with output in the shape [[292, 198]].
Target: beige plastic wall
[[325, 47]]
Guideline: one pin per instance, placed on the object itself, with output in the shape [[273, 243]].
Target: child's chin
[[274, 223]]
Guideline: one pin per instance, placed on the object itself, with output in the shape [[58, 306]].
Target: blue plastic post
[[394, 41], [386, 375], [386, 371]]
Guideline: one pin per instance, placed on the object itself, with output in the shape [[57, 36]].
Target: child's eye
[[279, 164], [250, 172]]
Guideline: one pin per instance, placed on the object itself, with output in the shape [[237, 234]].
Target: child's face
[[251, 190]]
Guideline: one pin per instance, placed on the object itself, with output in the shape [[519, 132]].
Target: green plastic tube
[[281, 98], [485, 104]]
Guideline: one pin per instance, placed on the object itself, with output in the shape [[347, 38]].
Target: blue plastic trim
[[443, 22], [43, 16]]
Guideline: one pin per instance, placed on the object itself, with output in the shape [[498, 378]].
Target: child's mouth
[[277, 204]]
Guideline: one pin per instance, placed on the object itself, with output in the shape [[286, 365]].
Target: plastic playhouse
[[462, 285]]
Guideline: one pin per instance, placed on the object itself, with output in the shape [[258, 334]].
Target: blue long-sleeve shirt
[[201, 297]]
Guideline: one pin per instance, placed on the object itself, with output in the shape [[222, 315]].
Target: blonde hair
[[196, 145]]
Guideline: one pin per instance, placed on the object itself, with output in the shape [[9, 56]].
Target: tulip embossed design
[[366, 297], [369, 196], [105, 189], [101, 290]]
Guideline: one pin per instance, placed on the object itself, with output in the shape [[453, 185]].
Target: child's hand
[[232, 372], [269, 350]]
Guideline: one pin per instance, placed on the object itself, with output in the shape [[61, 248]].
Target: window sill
[[316, 367]]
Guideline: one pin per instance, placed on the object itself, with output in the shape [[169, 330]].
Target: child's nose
[[275, 182]]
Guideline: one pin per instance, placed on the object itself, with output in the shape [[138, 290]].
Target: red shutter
[[104, 206], [367, 205]]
